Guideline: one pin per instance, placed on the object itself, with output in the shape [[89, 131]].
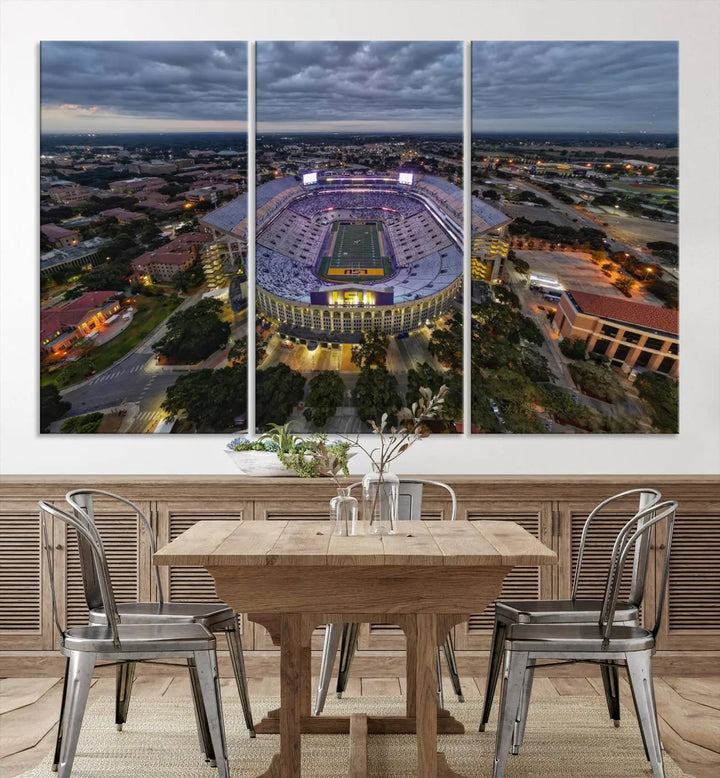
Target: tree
[[210, 399], [426, 375], [371, 351], [327, 391], [194, 333], [190, 278], [277, 390], [375, 393], [504, 294], [82, 425], [52, 406], [661, 393], [573, 348]]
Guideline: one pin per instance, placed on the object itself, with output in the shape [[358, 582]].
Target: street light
[[648, 270]]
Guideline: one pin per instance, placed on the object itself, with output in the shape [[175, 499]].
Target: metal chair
[[576, 610], [117, 642], [216, 617], [606, 641], [345, 636]]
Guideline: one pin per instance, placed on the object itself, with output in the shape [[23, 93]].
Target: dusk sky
[[143, 86], [359, 86], [576, 86]]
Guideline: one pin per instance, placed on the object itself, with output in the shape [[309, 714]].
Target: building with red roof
[[630, 334], [163, 264], [58, 236], [123, 216], [62, 325]]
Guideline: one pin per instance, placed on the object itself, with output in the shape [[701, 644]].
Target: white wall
[[695, 23]]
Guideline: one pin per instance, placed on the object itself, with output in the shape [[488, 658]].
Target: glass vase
[[344, 512], [381, 490]]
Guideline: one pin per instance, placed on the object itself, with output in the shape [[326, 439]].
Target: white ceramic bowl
[[259, 463]]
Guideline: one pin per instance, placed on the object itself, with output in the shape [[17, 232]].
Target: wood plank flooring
[[689, 711]]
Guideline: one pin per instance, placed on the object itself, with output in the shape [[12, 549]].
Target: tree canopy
[[375, 393], [327, 391], [194, 333], [277, 390], [210, 399]]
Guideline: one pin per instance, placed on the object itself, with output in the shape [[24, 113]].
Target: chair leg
[[438, 666], [207, 671], [80, 670], [348, 644], [201, 722], [58, 739], [641, 680], [238, 663], [333, 633], [449, 651], [515, 669], [124, 677], [612, 690], [521, 720], [494, 667]]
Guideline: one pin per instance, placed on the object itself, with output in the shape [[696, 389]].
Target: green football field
[[356, 245]]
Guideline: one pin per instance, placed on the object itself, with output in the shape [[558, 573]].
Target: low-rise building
[[59, 236], [210, 193], [123, 216], [630, 334], [68, 193], [62, 325], [162, 265], [85, 254], [136, 184]]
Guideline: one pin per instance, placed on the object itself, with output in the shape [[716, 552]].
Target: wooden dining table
[[292, 576]]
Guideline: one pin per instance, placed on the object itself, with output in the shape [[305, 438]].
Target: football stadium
[[340, 254]]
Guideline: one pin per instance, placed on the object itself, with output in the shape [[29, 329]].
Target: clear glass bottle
[[381, 490], [344, 512]]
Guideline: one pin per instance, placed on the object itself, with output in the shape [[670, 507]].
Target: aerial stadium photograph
[[359, 243], [575, 305], [142, 325]]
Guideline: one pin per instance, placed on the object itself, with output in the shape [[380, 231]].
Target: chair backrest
[[82, 502], [410, 494], [647, 498], [87, 534], [640, 529]]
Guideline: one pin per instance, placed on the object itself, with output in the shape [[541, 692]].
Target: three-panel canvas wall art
[[345, 253]]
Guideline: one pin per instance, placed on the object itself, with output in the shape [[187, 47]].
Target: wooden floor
[[689, 712]]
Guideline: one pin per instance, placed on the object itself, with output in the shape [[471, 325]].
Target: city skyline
[[359, 86], [575, 86], [143, 86]]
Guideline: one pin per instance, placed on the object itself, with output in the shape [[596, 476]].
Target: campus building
[[61, 326], [631, 335]]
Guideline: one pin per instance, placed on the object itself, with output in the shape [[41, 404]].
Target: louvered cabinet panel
[[691, 617], [521, 582], [194, 584], [25, 602], [127, 551]]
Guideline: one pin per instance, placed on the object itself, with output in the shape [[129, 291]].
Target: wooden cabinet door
[[26, 621], [691, 613], [127, 549], [520, 583], [194, 584]]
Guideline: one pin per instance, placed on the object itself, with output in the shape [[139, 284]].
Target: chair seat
[[559, 611], [142, 638], [209, 614], [558, 638]]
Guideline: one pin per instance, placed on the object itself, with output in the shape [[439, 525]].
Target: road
[[136, 384]]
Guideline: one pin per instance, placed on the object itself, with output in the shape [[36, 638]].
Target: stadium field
[[356, 253]]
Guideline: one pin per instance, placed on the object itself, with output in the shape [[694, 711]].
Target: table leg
[[425, 695]]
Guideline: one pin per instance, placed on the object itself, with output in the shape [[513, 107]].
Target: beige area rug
[[566, 737]]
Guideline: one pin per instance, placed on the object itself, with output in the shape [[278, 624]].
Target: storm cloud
[[578, 86], [142, 85], [359, 85]]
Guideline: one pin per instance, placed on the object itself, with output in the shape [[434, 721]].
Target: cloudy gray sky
[[359, 86], [143, 86], [600, 86]]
